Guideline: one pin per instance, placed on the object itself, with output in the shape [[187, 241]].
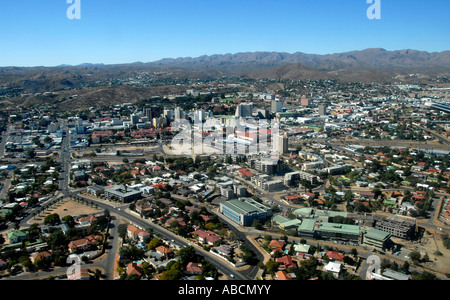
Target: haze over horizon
[[116, 32]]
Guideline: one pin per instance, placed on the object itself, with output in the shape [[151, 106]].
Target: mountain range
[[369, 65], [369, 59]]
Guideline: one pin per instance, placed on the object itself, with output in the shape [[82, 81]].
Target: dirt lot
[[431, 244], [65, 208]]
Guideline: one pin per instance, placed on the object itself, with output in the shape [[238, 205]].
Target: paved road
[[223, 266]]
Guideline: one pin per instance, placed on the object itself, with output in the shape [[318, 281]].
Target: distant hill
[[300, 72], [369, 59], [91, 81]]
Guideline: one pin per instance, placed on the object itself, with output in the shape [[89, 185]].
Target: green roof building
[[343, 232], [244, 211], [377, 238], [17, 236], [284, 223], [306, 228]]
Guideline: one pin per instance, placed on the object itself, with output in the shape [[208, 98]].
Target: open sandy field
[[64, 208], [432, 245]]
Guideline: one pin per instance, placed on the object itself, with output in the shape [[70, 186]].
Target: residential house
[[83, 275], [335, 255], [87, 220], [134, 269], [206, 236], [333, 267], [138, 234], [40, 255], [287, 262], [163, 250], [193, 269], [276, 244], [224, 250], [83, 244], [145, 209], [283, 275], [17, 236]]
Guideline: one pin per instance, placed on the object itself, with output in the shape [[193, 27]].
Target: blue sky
[[38, 32]]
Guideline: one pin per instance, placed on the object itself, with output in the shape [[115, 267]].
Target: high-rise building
[[277, 106], [282, 143], [244, 110], [134, 119], [322, 109], [178, 113], [199, 116], [152, 112], [168, 113]]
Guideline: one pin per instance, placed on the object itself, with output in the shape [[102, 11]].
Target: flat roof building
[[306, 228], [245, 211], [122, 194], [398, 227], [285, 223], [377, 238], [343, 232]]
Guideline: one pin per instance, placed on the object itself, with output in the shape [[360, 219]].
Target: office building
[[134, 119], [244, 110], [305, 102], [322, 109], [269, 166], [282, 143], [244, 211], [377, 238], [152, 112], [342, 232], [277, 106], [290, 179], [122, 194]]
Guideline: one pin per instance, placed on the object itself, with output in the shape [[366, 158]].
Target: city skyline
[[110, 32]]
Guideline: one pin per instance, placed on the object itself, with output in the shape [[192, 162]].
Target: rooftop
[[246, 206]]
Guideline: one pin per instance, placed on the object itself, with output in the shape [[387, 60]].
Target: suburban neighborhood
[[345, 172]]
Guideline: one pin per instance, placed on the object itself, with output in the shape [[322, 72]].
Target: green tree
[[52, 219], [154, 243], [415, 256], [272, 266]]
